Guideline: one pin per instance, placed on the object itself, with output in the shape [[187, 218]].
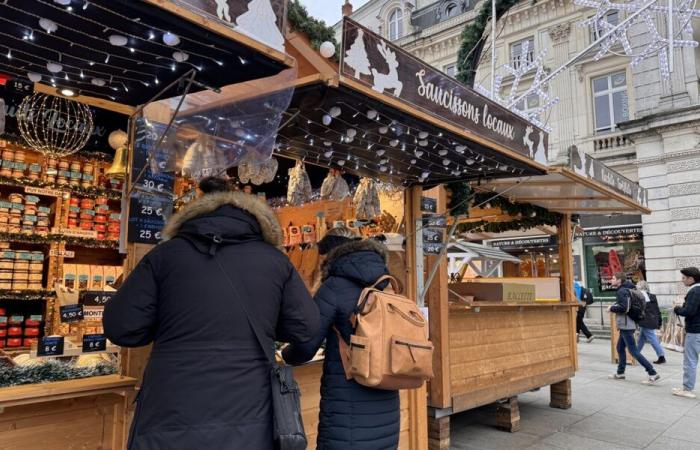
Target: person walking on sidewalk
[[627, 327], [585, 298], [691, 311], [650, 323]]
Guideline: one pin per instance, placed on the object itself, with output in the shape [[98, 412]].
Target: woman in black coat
[[206, 385], [352, 416]]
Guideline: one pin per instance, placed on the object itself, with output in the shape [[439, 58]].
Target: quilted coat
[[352, 416]]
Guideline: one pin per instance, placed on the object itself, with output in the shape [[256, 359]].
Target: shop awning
[[383, 113], [126, 51], [587, 186], [478, 252]]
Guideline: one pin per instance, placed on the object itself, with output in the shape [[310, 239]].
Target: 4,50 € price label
[[72, 313]]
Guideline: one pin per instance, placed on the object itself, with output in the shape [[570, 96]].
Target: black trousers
[[580, 325]]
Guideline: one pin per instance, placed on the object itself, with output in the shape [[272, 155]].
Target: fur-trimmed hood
[[266, 219], [364, 261]]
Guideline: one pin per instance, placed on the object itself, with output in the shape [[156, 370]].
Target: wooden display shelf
[[494, 306], [33, 239], [92, 192]]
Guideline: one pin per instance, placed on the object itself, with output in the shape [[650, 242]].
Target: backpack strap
[[344, 350]]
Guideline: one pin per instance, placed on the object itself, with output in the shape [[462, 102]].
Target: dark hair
[[210, 185], [692, 272], [622, 276]]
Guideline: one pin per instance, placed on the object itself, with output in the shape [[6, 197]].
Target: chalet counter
[[498, 351], [413, 406], [87, 413]]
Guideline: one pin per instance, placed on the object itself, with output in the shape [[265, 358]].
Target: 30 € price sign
[[94, 343], [72, 313], [50, 346]]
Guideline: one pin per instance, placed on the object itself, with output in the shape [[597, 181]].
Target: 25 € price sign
[[72, 313], [94, 343], [50, 346]]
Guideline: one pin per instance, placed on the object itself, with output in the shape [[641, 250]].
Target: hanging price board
[[94, 343], [428, 205], [50, 346], [433, 249], [151, 202], [434, 221], [95, 298], [433, 236], [72, 313]]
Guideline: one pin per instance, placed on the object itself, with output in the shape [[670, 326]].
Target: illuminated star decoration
[[516, 100], [683, 10]]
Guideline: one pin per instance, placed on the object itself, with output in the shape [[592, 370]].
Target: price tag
[[95, 298], [94, 343], [61, 253], [43, 191], [20, 85], [433, 249], [432, 236], [435, 221], [72, 313], [50, 346], [428, 205]]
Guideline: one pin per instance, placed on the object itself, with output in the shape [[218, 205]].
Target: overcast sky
[[329, 10]]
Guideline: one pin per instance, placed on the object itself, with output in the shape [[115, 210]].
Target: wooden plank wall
[[500, 352], [85, 422]]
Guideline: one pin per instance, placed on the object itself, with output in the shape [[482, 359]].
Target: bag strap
[[257, 333], [393, 288]]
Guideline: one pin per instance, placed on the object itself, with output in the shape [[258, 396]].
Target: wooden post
[[437, 300], [439, 433], [566, 238], [560, 395], [508, 415]]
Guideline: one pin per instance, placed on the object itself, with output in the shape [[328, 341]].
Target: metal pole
[[493, 48], [670, 36], [585, 51]]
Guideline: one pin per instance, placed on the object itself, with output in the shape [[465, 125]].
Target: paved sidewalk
[[606, 414]]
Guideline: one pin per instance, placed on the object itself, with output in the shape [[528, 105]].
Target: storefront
[[69, 89], [539, 257], [612, 244]]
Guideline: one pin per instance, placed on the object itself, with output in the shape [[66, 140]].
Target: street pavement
[[606, 414]]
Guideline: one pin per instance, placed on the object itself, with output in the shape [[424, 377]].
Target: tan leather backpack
[[390, 349]]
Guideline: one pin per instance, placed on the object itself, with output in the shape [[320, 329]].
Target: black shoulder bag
[[288, 426]]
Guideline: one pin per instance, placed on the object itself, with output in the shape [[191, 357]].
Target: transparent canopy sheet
[[213, 131]]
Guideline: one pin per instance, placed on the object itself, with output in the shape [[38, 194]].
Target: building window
[[610, 103], [450, 70], [451, 10], [395, 24], [613, 18], [522, 52], [529, 104]]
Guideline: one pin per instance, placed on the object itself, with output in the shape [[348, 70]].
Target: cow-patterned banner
[[387, 69]]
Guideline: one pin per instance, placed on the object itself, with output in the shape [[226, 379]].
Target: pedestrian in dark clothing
[[627, 327], [207, 384], [691, 311], [650, 323], [580, 293], [352, 416]]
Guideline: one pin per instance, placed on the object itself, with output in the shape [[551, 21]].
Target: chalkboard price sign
[[50, 346], [428, 205], [94, 343], [433, 249], [95, 298], [434, 221], [151, 201], [432, 236], [72, 313]]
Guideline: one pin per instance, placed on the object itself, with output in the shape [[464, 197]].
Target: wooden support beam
[[439, 433], [560, 395], [508, 415], [438, 304]]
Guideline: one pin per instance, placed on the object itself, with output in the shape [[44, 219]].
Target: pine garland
[[51, 370], [91, 192], [317, 31], [52, 238], [25, 295], [460, 192], [526, 216], [472, 42]]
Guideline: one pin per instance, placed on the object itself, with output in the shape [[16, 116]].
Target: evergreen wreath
[[316, 30], [473, 40]]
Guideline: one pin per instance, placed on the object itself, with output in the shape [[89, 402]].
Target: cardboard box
[[546, 289], [496, 292]]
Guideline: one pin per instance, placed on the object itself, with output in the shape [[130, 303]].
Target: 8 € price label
[[50, 346], [94, 343]]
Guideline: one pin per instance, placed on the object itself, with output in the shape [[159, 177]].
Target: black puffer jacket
[[352, 417], [652, 314], [206, 385], [691, 310]]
